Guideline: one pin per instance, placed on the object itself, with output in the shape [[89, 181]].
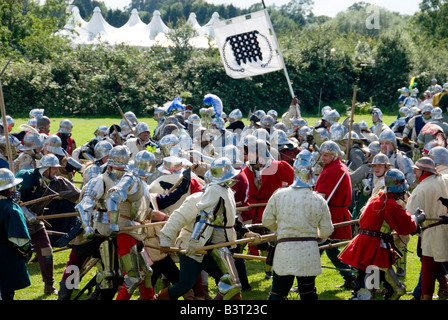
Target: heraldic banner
[[248, 45]]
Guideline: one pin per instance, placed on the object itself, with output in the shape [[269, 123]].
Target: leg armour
[[392, 279], [307, 288], [145, 263], [130, 264], [229, 284]]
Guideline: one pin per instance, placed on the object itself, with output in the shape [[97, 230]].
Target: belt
[[389, 239], [216, 226], [296, 239]]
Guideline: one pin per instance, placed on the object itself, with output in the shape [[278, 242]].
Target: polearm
[[5, 123], [352, 115], [58, 215], [337, 185], [123, 116], [28, 203]]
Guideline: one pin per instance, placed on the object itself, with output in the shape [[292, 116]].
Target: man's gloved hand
[[419, 216], [193, 245], [444, 219]]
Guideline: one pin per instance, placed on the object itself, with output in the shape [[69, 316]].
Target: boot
[[348, 283], [64, 293], [237, 297], [163, 295], [50, 289]]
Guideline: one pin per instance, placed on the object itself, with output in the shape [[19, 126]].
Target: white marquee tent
[[134, 33]]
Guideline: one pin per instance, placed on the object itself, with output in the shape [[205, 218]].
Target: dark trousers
[[282, 284]]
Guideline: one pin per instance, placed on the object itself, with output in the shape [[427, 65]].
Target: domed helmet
[[426, 164], [439, 155], [65, 126], [306, 131], [395, 181], [320, 135], [132, 118], [34, 113], [159, 114], [260, 149], [332, 148], [235, 115], [14, 144], [125, 129], [436, 113], [140, 128], [267, 122], [171, 164], [53, 144], [404, 112], [102, 149], [9, 122], [388, 135], [49, 161], [262, 134], [273, 114], [233, 154], [194, 120], [332, 116], [280, 126], [259, 114], [354, 138], [145, 163], [167, 142], [32, 141], [303, 170], [373, 148], [7, 179], [299, 122], [279, 138], [222, 170], [119, 157], [337, 131], [101, 131], [380, 158], [325, 110], [363, 126], [218, 122], [377, 112]]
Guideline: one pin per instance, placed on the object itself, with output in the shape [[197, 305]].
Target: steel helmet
[[404, 112], [320, 135], [439, 155], [7, 179], [125, 129], [14, 143], [380, 158], [373, 148], [337, 131], [262, 134], [395, 181], [426, 164], [65, 126], [32, 141], [377, 112], [34, 113], [53, 144], [145, 163], [171, 164], [159, 113], [388, 135], [267, 122], [167, 142], [355, 138], [119, 157], [193, 119], [140, 128], [332, 148], [279, 138], [280, 126], [299, 122], [9, 121], [233, 153], [101, 131], [132, 118], [363, 126], [102, 149], [331, 116], [219, 122], [235, 115], [436, 113], [259, 114], [303, 170], [325, 110], [272, 113], [49, 161], [222, 170]]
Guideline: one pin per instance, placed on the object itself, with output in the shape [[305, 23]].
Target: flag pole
[[283, 62]]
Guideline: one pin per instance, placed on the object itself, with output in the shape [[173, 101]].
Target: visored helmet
[[53, 144], [303, 170], [332, 148], [145, 163], [222, 170], [395, 181], [65, 126], [440, 155], [102, 149], [7, 179], [119, 157]]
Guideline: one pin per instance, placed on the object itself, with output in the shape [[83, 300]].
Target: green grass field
[[326, 283]]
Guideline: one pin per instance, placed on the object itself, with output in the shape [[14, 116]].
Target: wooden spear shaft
[[58, 215], [28, 203], [352, 115]]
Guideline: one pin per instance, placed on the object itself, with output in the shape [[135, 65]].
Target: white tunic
[[297, 212], [426, 197]]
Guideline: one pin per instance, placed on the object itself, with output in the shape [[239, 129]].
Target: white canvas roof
[[134, 33]]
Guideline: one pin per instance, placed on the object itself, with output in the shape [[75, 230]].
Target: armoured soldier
[[397, 159], [141, 139], [101, 152], [159, 116], [377, 119], [214, 217], [14, 145], [65, 133], [31, 152]]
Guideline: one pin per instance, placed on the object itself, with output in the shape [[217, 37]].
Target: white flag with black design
[[248, 45]]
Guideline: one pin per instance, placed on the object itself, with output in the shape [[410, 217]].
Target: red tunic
[[241, 189], [341, 199], [278, 175], [365, 250]]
